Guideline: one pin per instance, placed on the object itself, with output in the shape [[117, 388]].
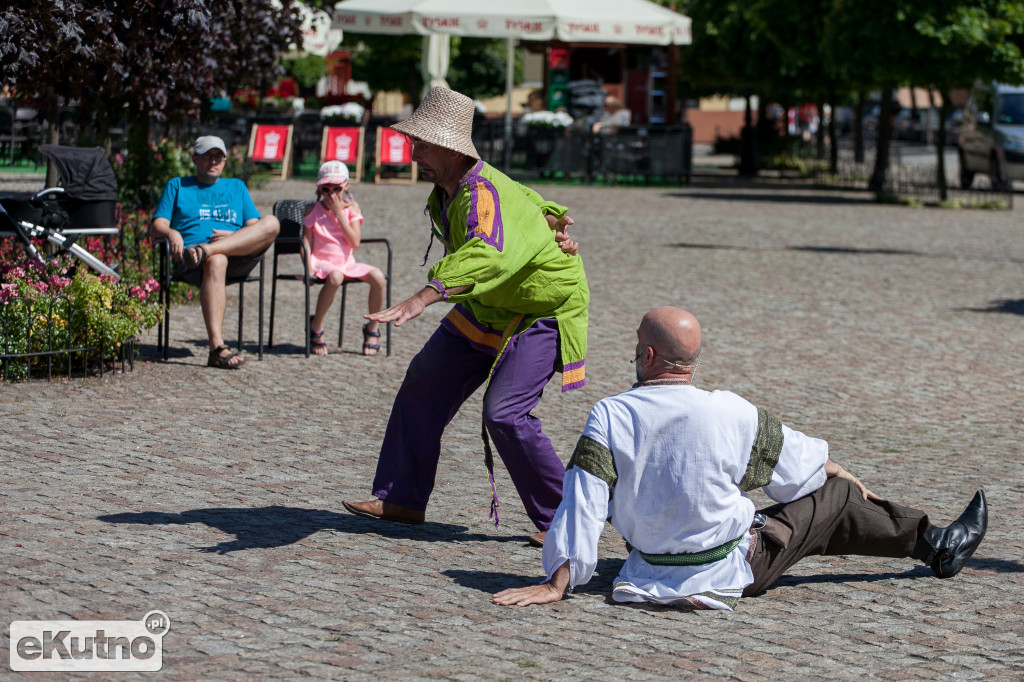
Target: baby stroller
[[85, 204]]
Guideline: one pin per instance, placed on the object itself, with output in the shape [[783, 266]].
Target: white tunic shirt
[[679, 453]]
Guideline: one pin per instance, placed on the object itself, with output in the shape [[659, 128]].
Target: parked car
[[906, 125], [991, 136]]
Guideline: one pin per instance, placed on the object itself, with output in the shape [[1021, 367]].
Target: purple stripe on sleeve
[[440, 287]]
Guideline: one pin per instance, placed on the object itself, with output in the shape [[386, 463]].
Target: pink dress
[[329, 250]]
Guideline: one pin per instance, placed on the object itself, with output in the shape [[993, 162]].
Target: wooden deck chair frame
[[286, 160], [377, 180], [355, 174]]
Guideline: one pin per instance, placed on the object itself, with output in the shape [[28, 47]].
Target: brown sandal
[[223, 361], [191, 260]]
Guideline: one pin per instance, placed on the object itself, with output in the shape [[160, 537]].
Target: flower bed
[[61, 313], [555, 120]]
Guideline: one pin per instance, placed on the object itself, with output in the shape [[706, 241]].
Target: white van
[[991, 137]]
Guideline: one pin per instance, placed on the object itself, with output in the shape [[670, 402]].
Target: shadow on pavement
[[149, 351], [912, 572], [915, 572], [491, 581], [849, 250], [1005, 305], [268, 527], [775, 196], [813, 249]]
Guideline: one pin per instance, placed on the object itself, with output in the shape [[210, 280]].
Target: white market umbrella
[[571, 21], [434, 62], [635, 22]]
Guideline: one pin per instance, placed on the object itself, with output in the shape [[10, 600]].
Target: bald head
[[674, 334]]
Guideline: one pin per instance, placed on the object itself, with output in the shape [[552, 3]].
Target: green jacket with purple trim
[[499, 245]]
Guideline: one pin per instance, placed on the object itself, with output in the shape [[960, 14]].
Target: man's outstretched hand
[[403, 312], [410, 307]]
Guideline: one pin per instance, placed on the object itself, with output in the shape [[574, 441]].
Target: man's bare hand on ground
[[524, 596]]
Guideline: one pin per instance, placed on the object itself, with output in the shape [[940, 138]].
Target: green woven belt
[[695, 559]]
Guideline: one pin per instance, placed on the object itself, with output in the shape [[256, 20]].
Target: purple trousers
[[439, 380]]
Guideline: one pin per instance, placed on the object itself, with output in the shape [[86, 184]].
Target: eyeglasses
[[213, 159], [332, 188]]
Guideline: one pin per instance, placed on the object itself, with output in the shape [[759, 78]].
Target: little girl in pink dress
[[332, 233]]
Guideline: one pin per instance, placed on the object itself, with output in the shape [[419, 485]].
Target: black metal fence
[[37, 341], [907, 180], [656, 154]]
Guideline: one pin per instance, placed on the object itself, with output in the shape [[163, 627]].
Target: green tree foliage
[[144, 59], [476, 67], [130, 62], [386, 62], [826, 50], [938, 44], [729, 55], [306, 70]]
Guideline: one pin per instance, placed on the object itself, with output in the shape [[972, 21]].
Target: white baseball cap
[[332, 173], [208, 142]]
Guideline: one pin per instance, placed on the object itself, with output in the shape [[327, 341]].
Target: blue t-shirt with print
[[196, 209]]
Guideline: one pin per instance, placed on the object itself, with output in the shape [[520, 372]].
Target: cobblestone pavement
[[215, 496]]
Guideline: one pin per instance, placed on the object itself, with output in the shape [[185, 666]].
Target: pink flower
[[40, 286]]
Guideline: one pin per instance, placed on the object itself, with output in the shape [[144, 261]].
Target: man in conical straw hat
[[520, 315]]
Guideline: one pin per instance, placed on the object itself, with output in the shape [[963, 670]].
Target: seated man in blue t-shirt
[[215, 233]]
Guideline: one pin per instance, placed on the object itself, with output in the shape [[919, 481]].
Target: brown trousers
[[830, 521]]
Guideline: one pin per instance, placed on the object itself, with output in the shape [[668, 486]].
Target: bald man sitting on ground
[[670, 465]]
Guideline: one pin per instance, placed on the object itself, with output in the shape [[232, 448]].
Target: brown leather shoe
[[538, 539], [385, 511]]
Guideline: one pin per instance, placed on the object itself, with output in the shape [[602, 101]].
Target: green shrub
[[60, 304]]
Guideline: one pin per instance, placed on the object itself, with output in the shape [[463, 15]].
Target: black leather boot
[[946, 550]]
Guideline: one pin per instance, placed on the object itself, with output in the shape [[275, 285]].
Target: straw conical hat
[[444, 118]]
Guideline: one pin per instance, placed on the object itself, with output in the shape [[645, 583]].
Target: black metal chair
[[289, 212], [164, 329]]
